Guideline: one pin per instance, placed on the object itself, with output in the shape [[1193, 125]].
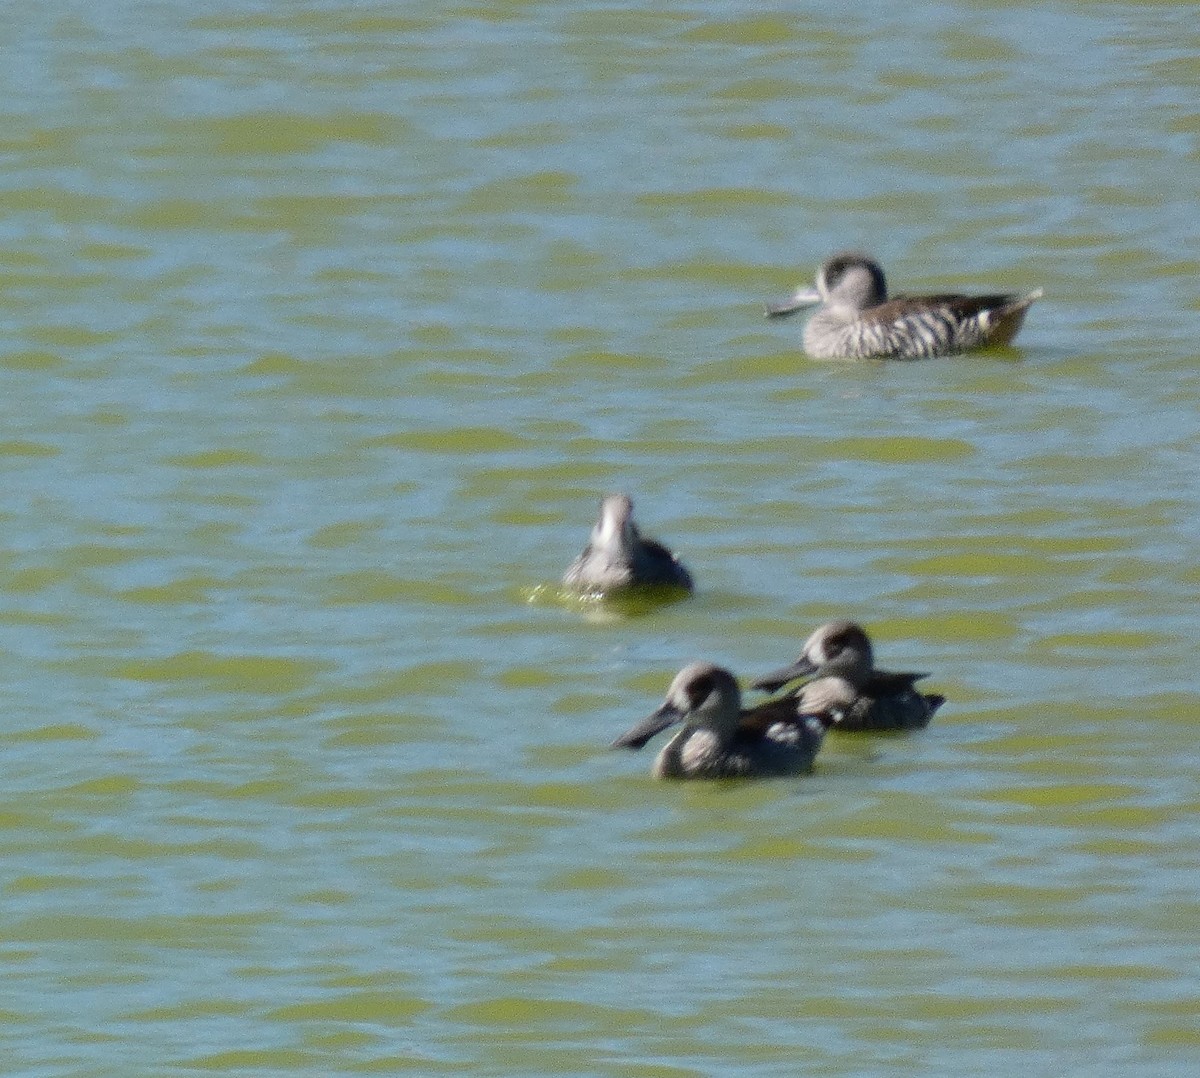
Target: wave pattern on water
[[328, 324]]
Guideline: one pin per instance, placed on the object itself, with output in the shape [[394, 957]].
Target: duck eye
[[699, 690], [835, 271], [835, 645]]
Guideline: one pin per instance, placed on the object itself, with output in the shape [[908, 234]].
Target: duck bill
[[806, 297], [776, 679], [637, 736]]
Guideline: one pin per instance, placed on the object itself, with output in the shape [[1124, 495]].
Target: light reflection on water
[[327, 329]]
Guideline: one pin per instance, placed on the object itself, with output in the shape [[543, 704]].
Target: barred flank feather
[[916, 333], [856, 320]]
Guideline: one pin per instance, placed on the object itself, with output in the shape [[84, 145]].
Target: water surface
[[327, 327]]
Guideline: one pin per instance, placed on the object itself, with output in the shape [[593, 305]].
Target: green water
[[328, 324]]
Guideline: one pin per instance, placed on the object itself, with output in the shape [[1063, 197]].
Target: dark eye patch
[[836, 644], [839, 265], [835, 270], [700, 689]]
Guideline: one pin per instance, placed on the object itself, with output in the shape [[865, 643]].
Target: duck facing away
[[721, 740], [618, 557], [856, 320], [881, 700]]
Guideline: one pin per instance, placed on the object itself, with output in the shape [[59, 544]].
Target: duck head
[[702, 695]]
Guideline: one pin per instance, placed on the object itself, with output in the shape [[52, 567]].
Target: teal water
[[326, 327]]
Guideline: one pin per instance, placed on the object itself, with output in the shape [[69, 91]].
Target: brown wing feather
[[963, 306], [761, 717]]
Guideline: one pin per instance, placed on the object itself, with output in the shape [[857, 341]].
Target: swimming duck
[[720, 740], [882, 700], [617, 556], [856, 319]]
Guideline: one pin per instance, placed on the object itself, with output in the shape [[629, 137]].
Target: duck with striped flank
[[721, 740], [881, 700], [856, 320]]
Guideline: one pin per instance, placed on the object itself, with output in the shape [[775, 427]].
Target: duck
[[721, 740], [618, 557], [856, 320], [882, 700]]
